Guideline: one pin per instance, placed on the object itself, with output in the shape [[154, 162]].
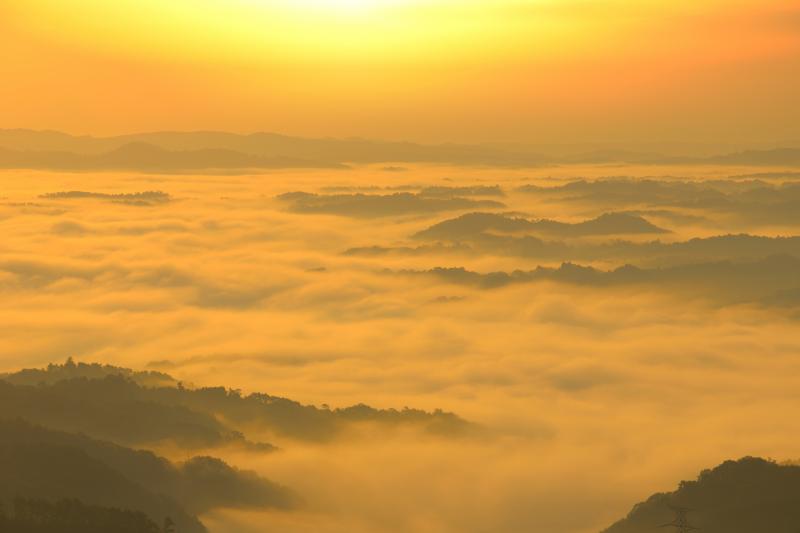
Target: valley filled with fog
[[539, 348]]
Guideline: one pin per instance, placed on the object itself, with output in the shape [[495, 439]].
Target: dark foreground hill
[[26, 515], [39, 463], [117, 409], [745, 496], [142, 408], [52, 472], [65, 433]]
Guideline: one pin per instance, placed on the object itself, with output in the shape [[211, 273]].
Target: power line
[[681, 522]]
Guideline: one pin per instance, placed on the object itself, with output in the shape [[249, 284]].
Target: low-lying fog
[[593, 387]]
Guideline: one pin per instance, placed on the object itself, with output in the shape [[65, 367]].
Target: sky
[[559, 71]]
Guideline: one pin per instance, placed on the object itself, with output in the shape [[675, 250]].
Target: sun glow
[[347, 5], [340, 7]]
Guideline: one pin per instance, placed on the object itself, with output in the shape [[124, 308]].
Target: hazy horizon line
[[510, 142]]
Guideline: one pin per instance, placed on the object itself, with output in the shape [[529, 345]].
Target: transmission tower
[[681, 522]]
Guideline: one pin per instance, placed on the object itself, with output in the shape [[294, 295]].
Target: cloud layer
[[588, 391]]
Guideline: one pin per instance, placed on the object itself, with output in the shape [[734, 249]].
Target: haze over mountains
[[88, 398], [198, 151], [772, 281], [399, 266], [98, 477], [44, 464], [65, 430], [575, 324]]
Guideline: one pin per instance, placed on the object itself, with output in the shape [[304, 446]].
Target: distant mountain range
[[209, 151], [771, 281]]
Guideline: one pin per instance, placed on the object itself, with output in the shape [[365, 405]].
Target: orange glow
[[403, 68]]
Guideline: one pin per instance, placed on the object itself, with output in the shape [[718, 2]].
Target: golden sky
[[536, 70]]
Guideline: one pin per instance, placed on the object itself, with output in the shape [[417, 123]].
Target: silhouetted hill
[[784, 298], [437, 248], [46, 470], [145, 198], [149, 158], [630, 191], [767, 157], [468, 241], [437, 191], [198, 485], [736, 497], [28, 515], [276, 149], [352, 150], [116, 409], [59, 150], [376, 205], [731, 282], [71, 370], [777, 157], [767, 175], [750, 201], [719, 248], [471, 224], [605, 224], [599, 156], [289, 418], [467, 227], [644, 254], [450, 192], [50, 141], [191, 417]]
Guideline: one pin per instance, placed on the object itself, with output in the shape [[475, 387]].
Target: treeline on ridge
[[91, 398]]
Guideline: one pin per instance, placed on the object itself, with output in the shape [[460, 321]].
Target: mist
[[585, 394]]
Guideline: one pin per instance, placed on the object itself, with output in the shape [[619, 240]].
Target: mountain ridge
[[751, 494], [48, 149]]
